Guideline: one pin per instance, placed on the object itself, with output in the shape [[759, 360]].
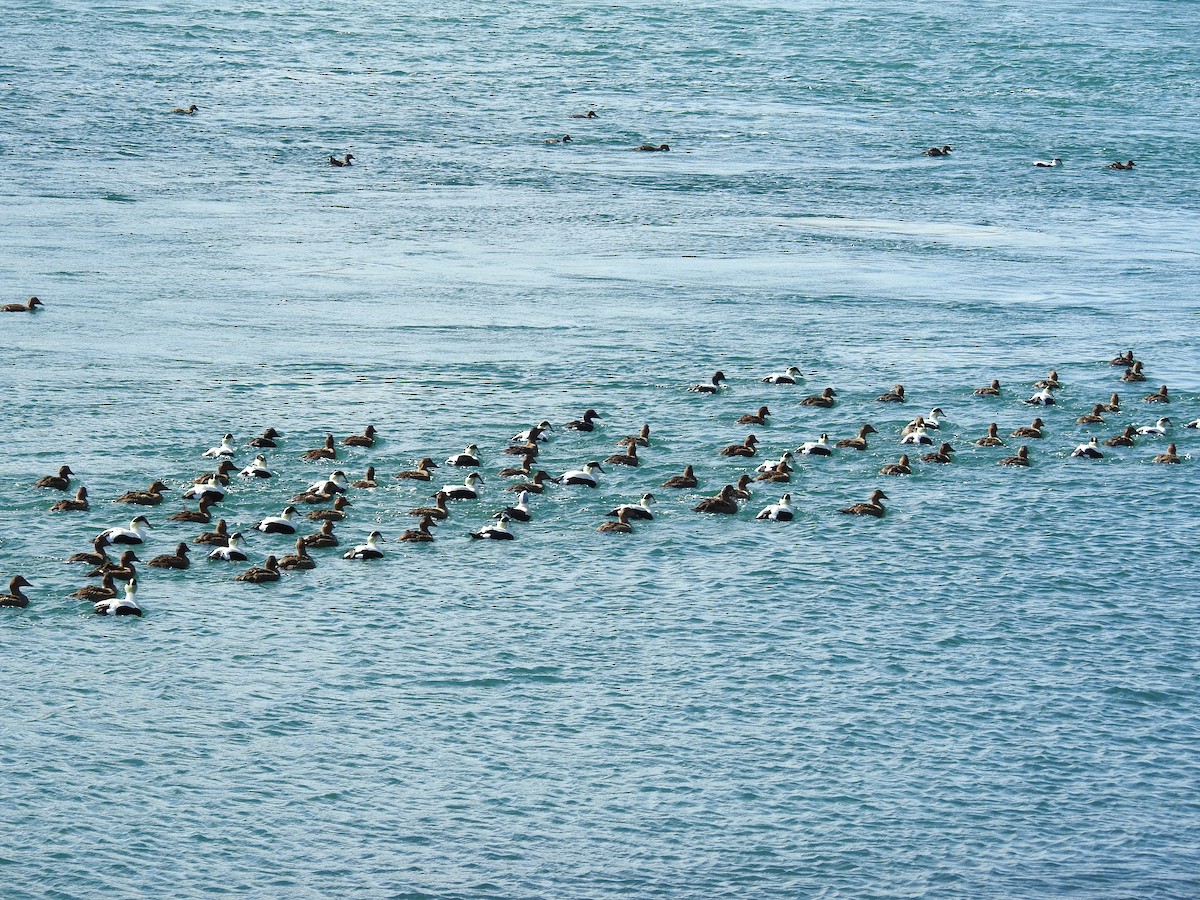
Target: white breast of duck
[[469, 457], [134, 534], [231, 552], [1090, 450], [123, 606], [256, 469], [469, 490], [790, 375], [369, 550], [585, 476], [779, 512], [226, 448], [1158, 429], [280, 524], [639, 510], [819, 447]]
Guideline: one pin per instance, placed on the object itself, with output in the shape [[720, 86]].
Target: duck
[[1095, 417], [78, 504], [367, 481], [59, 482], [712, 387], [186, 111], [621, 526], [745, 448], [529, 449], [1134, 373], [232, 551], [744, 488], [933, 421], [628, 458], [917, 424], [758, 418], [565, 139], [687, 479], [917, 437], [639, 510], [819, 447], [211, 488], [334, 484], [650, 148], [329, 451], [224, 467], [421, 472], [824, 400], [1113, 404], [1195, 423], [1170, 457], [587, 423], [337, 514], [520, 512], [366, 439], [781, 474], [268, 572], [1121, 166], [1124, 439], [790, 375], [590, 114], [280, 524], [1021, 459], [219, 535], [871, 508], [123, 606], [122, 570], [1050, 381], [152, 496], [778, 512], [642, 438], [785, 459], [992, 438], [256, 469], [857, 443], [15, 599], [1158, 429], [298, 560], [1090, 450], [440, 511], [343, 162], [895, 395], [534, 434], [992, 390], [98, 556], [224, 449], [524, 470], [27, 307], [134, 534], [1160, 396], [498, 531], [1048, 164], [468, 490], [266, 440], [943, 150], [177, 560], [92, 593], [1044, 397], [1032, 430], [323, 538], [585, 476], [1123, 360], [898, 468], [421, 534], [537, 485], [941, 455], [723, 503]]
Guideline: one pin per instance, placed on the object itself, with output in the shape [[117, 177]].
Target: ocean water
[[991, 692]]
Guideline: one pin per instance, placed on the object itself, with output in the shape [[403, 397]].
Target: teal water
[[989, 693]]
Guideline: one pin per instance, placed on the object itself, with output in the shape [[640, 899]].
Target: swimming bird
[[639, 510], [224, 467], [780, 474], [123, 606], [917, 424], [860, 442], [1090, 450], [1120, 166], [15, 599], [467, 459], [650, 148], [943, 150], [177, 560], [790, 375], [899, 467], [27, 307], [79, 504], [1044, 397], [1158, 429], [520, 512], [642, 438], [98, 556], [744, 488], [824, 399], [334, 484], [421, 473], [621, 526], [1195, 423], [895, 395], [122, 570], [211, 488], [941, 455], [59, 482], [590, 114], [225, 448], [713, 386], [917, 437], [1113, 404], [186, 111], [298, 560], [587, 423], [534, 434], [152, 496], [723, 503], [522, 471], [1052, 164], [368, 479], [565, 139], [871, 508], [497, 531], [421, 534], [1160, 396], [1169, 457], [1021, 459], [343, 162], [1123, 359], [785, 459], [585, 476], [92, 593], [267, 573], [232, 551], [329, 451], [992, 390], [819, 447], [529, 449], [366, 439], [628, 458], [134, 534], [1095, 417], [1134, 373], [469, 490], [256, 469], [1124, 439], [1032, 430], [685, 480], [535, 486], [219, 535], [758, 418], [439, 511], [280, 524], [992, 438], [778, 512], [266, 440], [1050, 382], [323, 538], [337, 514], [369, 550], [745, 448], [934, 420]]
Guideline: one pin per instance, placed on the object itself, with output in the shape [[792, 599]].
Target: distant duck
[[152, 496], [298, 560], [585, 476], [639, 510], [186, 111], [440, 511], [1134, 373], [565, 139], [1158, 429], [745, 448], [790, 375], [268, 572], [650, 148], [211, 488], [98, 556], [366, 439], [628, 458], [857, 443], [134, 534], [685, 480], [1021, 459], [329, 451], [642, 438], [92, 593], [232, 551], [943, 150], [177, 560], [536, 485], [1125, 439], [758, 418], [59, 482], [917, 437], [421, 472], [219, 535], [27, 307], [497, 531], [824, 400], [469, 490], [713, 386], [520, 512], [1051, 164], [1170, 457], [369, 550], [123, 606], [467, 459], [723, 503], [1090, 450], [79, 504], [1095, 417], [992, 390], [534, 434], [590, 114], [1123, 359], [899, 467], [337, 514], [941, 455], [368, 479], [871, 508], [225, 449], [343, 162], [1032, 430], [1113, 404], [284, 523], [15, 599], [1121, 166], [1160, 396], [819, 447], [778, 512], [621, 526], [122, 570], [256, 469], [421, 534], [895, 395], [266, 440], [323, 538], [992, 438], [1044, 397], [335, 484], [587, 423]]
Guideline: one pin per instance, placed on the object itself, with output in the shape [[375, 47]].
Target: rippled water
[[989, 693]]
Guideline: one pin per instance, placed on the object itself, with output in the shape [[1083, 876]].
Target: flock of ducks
[[1054, 163], [330, 497]]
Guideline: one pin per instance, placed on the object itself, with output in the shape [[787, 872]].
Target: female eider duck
[[639, 510], [494, 532], [323, 538], [225, 449], [468, 490], [14, 599], [899, 467], [534, 434], [590, 114], [1134, 373], [943, 150], [744, 488], [780, 474], [1158, 429], [1048, 164], [59, 482], [642, 438], [369, 550], [27, 307], [1021, 459], [628, 458], [1159, 396], [224, 468], [298, 560], [232, 551], [467, 459], [366, 439], [98, 556], [1032, 430], [713, 386], [266, 440], [186, 110], [1113, 404], [1123, 359], [758, 418], [1125, 439], [895, 395], [1050, 382], [992, 390], [367, 481], [723, 503], [785, 459], [525, 470], [824, 400], [440, 511], [917, 424], [1090, 450], [587, 423], [790, 375], [745, 448], [177, 560], [152, 496], [1195, 423], [871, 508], [92, 593], [520, 512], [585, 476], [329, 451], [992, 438], [123, 606], [79, 504], [337, 514], [1095, 417], [685, 480], [819, 447], [537, 485], [621, 526], [280, 524], [529, 449], [1121, 166], [1170, 456], [268, 572], [421, 472], [343, 162], [778, 512], [134, 534], [941, 455], [421, 534], [122, 571], [219, 535], [650, 148], [256, 469], [857, 443]]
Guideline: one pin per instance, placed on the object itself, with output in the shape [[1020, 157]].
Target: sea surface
[[989, 693]]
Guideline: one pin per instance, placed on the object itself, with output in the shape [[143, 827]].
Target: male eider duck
[[534, 434], [650, 148], [520, 512], [186, 110], [590, 114], [535, 486], [494, 532], [917, 437], [152, 496], [1160, 396], [1195, 423], [367, 481], [280, 524], [219, 535], [1032, 430], [819, 447], [177, 560], [1051, 164], [992, 390], [256, 469], [587, 423], [323, 538], [713, 386], [1021, 459], [212, 488], [1124, 439], [943, 150], [895, 395], [298, 560], [778, 512], [14, 599], [686, 480], [642, 438], [1121, 166], [467, 459], [790, 375], [758, 418], [723, 503], [421, 534], [134, 534], [1169, 457], [628, 458], [440, 511], [421, 472], [468, 490], [1090, 450], [639, 510], [92, 593], [621, 526], [123, 606], [266, 440], [343, 162], [337, 514], [1158, 429], [899, 467], [59, 482], [1044, 397], [27, 307], [857, 443], [585, 476], [565, 139], [329, 451], [232, 551], [366, 439], [871, 508], [1134, 373], [824, 399], [334, 484], [98, 556], [745, 448], [1095, 417], [941, 455], [267, 573], [225, 449], [79, 504]]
